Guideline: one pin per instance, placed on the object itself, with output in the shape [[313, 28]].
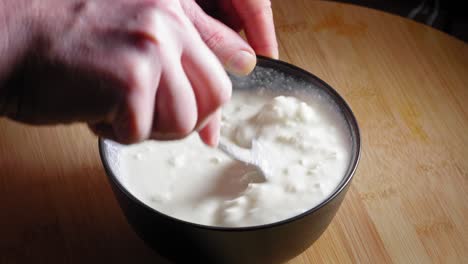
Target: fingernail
[[270, 53], [241, 63], [275, 54]]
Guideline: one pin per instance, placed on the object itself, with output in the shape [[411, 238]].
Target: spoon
[[254, 157]]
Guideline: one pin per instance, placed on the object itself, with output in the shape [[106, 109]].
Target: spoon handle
[[251, 157], [235, 152]]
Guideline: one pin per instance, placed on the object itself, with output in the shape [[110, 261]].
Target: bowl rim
[[350, 117]]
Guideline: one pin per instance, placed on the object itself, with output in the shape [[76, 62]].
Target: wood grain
[[407, 84]]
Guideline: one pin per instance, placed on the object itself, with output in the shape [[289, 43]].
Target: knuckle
[[131, 75], [218, 99], [223, 94], [185, 128], [129, 128], [214, 40], [148, 21], [143, 26], [264, 10], [170, 8], [130, 123], [138, 133], [190, 9]]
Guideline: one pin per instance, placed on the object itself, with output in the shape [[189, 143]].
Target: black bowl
[[184, 242]]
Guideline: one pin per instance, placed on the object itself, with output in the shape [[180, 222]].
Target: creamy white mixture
[[306, 145]]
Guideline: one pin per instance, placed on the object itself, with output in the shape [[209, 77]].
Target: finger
[[257, 18], [210, 83], [176, 108], [236, 55], [103, 130], [210, 133], [228, 16], [133, 121], [222, 11], [139, 70]]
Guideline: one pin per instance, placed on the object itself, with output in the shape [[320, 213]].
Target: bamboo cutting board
[[408, 203]]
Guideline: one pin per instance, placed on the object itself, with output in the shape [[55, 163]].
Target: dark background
[[446, 15]]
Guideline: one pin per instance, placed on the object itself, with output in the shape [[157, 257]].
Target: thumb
[[233, 52]]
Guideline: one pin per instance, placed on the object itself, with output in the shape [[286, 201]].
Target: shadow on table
[[54, 216]]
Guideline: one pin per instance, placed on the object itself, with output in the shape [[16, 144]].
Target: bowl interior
[[270, 76]]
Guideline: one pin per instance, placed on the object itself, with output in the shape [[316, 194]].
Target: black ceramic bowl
[[184, 242]]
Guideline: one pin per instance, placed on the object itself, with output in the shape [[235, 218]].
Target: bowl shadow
[[56, 215]]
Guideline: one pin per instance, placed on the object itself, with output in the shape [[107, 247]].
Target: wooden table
[[408, 203]]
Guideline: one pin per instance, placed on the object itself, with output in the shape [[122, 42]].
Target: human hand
[[131, 69], [254, 16]]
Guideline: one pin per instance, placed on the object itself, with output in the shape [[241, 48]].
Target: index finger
[[257, 19]]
